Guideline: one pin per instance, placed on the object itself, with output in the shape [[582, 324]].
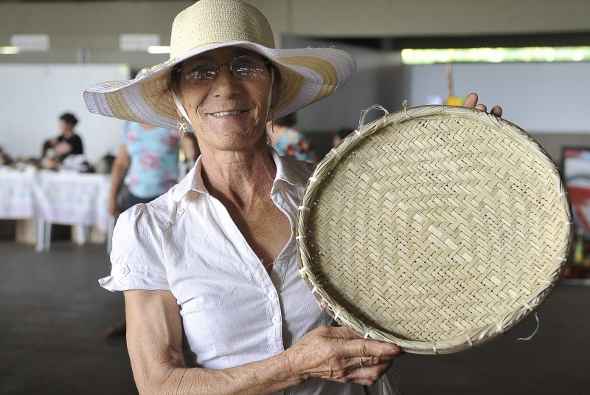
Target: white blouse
[[233, 311]]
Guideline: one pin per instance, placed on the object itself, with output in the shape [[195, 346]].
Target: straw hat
[[436, 228], [306, 75]]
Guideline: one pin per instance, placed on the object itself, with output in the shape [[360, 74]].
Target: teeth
[[226, 113]]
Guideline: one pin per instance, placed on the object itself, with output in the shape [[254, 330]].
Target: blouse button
[[124, 270]]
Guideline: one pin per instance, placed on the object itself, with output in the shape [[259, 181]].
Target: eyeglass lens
[[243, 67]]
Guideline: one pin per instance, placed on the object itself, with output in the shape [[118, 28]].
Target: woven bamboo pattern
[[435, 228]]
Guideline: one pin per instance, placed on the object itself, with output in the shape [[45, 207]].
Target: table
[[16, 194], [55, 198]]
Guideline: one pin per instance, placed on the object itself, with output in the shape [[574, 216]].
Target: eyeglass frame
[[218, 67]]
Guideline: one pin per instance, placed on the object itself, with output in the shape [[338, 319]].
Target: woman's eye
[[248, 68], [243, 68], [202, 73]]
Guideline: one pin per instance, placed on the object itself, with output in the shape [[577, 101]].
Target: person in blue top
[[146, 162], [288, 141]]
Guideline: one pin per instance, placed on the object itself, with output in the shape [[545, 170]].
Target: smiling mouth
[[222, 114]]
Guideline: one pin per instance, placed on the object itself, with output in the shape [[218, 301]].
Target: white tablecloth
[[16, 194], [64, 197]]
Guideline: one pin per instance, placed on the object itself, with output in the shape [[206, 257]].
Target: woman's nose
[[224, 83]]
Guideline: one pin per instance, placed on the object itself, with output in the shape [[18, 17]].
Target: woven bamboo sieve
[[436, 228]]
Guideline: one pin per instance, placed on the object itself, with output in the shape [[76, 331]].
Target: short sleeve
[[137, 261], [76, 146]]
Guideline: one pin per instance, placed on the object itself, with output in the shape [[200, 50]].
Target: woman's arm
[[120, 166], [154, 341]]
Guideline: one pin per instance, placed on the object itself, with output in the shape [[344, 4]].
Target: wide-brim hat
[[306, 75]]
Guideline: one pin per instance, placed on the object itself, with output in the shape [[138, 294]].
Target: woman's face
[[227, 109], [64, 127]]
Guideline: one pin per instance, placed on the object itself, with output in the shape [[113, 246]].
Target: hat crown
[[217, 21]]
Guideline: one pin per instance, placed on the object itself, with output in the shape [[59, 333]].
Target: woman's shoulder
[[138, 261], [151, 216]]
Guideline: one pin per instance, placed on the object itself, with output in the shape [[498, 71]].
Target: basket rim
[[340, 314]]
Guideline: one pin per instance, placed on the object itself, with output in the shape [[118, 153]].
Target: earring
[[182, 126]]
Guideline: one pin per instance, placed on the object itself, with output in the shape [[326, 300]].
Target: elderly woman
[[215, 256]]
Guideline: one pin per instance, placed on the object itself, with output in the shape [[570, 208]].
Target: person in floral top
[[288, 141], [147, 163]]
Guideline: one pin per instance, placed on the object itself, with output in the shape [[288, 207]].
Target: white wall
[[539, 97], [33, 97], [378, 80]]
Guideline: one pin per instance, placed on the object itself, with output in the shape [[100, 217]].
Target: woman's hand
[[63, 148], [339, 354], [471, 102]]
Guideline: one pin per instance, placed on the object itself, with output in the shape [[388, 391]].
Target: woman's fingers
[[332, 353], [481, 107], [363, 362], [470, 100], [342, 332], [367, 375], [369, 348], [497, 111]]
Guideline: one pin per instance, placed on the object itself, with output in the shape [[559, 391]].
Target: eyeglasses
[[243, 67]]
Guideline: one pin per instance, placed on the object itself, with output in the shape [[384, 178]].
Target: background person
[[288, 141], [146, 166], [68, 142]]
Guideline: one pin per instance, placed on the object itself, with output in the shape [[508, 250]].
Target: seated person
[[5, 159], [67, 143]]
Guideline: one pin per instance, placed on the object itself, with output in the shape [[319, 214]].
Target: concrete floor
[[52, 319], [53, 315]]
